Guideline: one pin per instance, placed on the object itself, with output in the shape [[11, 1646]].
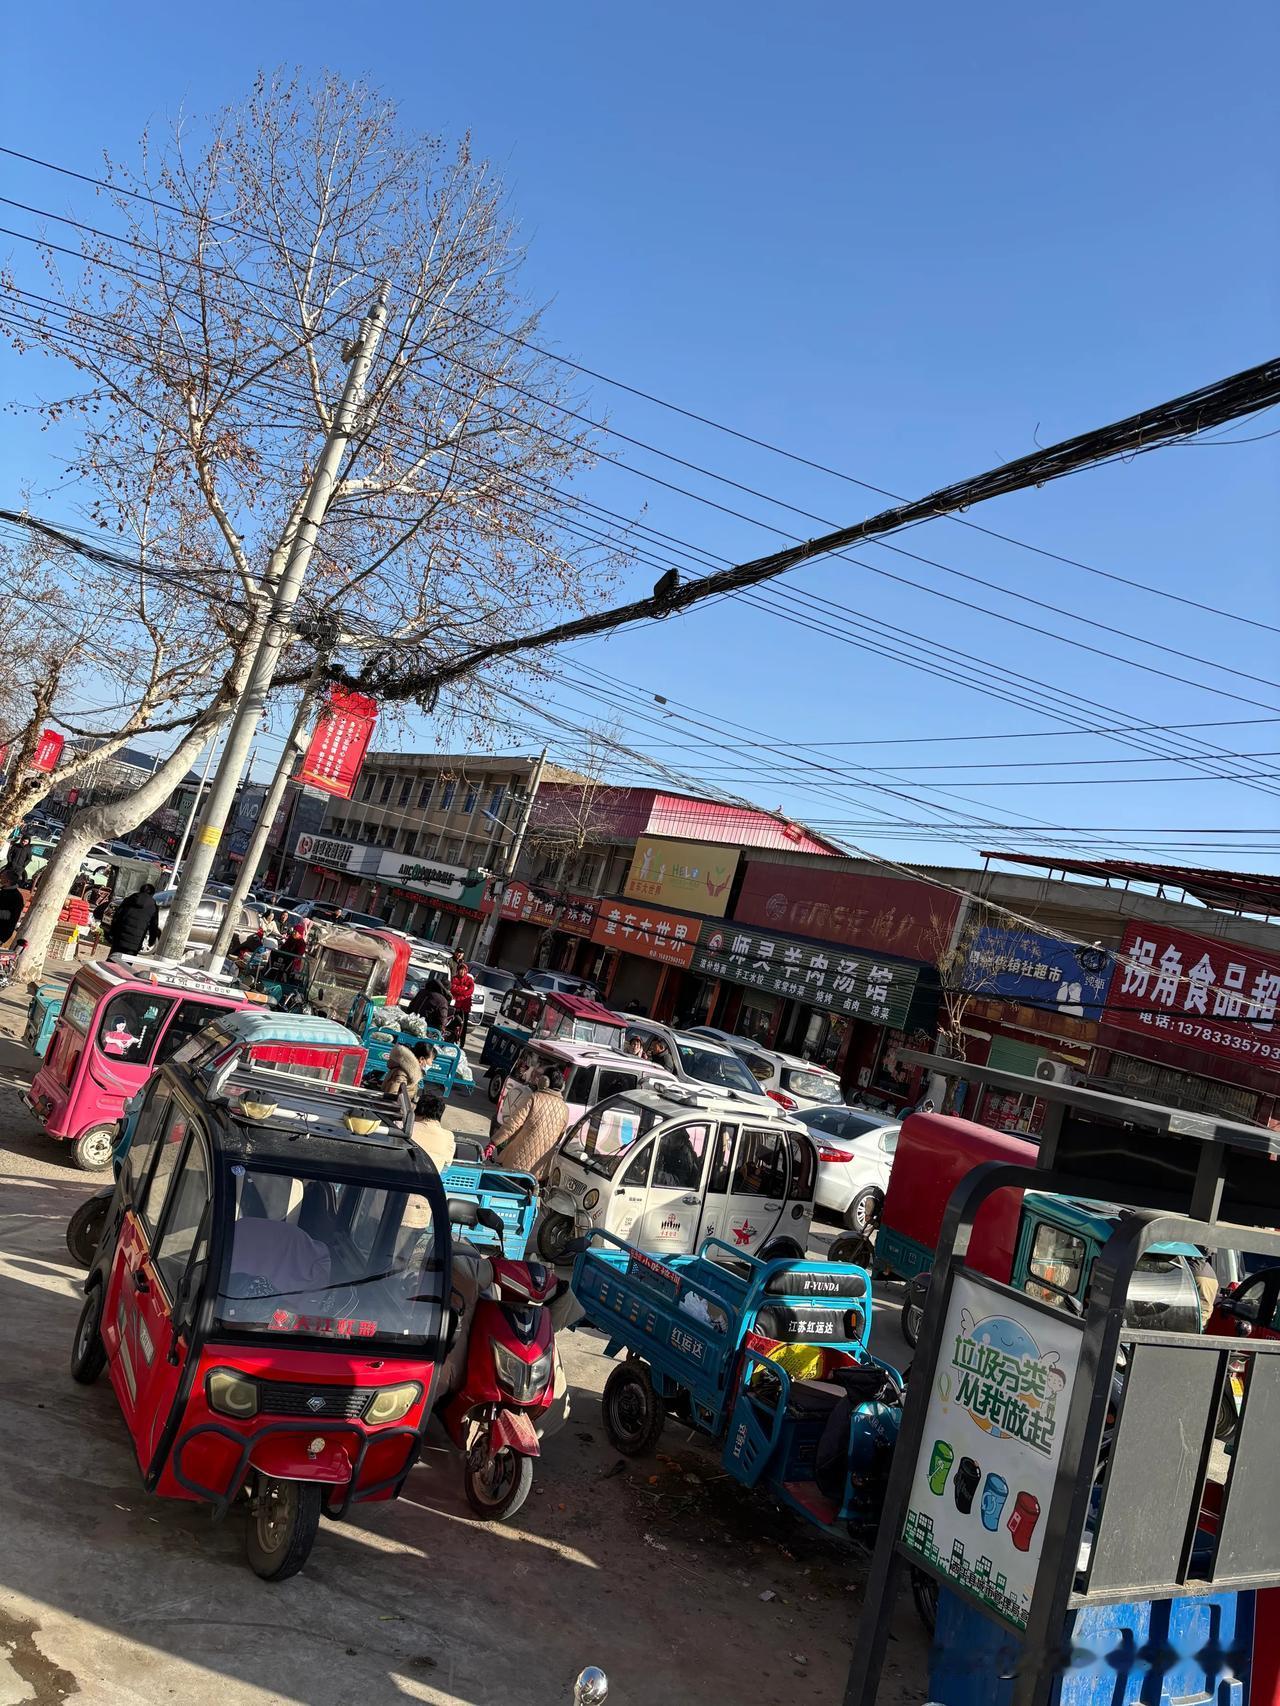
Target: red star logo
[[742, 1234]]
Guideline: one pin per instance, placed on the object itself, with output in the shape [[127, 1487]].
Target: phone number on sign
[[1211, 1034]]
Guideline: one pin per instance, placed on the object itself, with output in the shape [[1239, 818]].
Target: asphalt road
[[682, 1586]]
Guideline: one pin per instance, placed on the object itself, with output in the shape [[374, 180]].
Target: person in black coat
[[136, 921], [432, 1003], [12, 903]]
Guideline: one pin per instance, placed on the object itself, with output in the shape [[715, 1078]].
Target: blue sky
[[905, 245]]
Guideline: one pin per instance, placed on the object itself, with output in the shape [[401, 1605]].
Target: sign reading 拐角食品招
[[984, 1476]]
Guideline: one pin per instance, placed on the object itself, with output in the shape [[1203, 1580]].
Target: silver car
[[210, 911]]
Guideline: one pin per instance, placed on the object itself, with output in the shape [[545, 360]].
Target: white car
[[492, 984], [796, 1085], [855, 1155]]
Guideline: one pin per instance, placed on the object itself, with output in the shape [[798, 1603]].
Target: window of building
[[385, 792], [469, 801], [406, 789], [387, 835], [366, 785], [408, 840], [450, 852], [424, 792], [496, 796], [446, 798]]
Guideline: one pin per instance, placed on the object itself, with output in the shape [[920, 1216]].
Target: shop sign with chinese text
[[574, 913], [643, 930], [1038, 971], [421, 876], [695, 875], [860, 985], [341, 855], [883, 915], [340, 741], [1187, 992], [982, 1484]]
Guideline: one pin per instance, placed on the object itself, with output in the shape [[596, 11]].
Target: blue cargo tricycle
[[449, 1068], [769, 1359], [512, 1196]]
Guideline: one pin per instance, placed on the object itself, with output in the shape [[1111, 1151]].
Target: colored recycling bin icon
[[995, 1491], [965, 1485], [940, 1466], [1023, 1519]]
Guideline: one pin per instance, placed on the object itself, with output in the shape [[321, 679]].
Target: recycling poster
[[993, 1436]]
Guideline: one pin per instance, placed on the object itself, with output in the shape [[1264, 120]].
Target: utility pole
[[294, 744], [195, 809], [275, 632], [484, 942]]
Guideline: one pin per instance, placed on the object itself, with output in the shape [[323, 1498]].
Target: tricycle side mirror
[[488, 1218], [464, 1212]]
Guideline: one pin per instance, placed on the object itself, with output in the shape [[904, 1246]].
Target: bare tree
[[575, 812], [208, 333]]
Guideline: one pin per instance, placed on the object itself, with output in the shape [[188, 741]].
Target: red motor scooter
[[500, 1376]]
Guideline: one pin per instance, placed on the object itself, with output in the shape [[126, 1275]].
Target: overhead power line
[[686, 413]]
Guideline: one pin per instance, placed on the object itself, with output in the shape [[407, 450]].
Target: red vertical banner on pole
[[48, 750], [339, 743]]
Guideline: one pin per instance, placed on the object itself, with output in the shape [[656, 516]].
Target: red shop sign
[[884, 915], [575, 914], [667, 937], [340, 741], [1178, 992]]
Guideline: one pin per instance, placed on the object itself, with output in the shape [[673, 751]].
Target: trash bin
[[1136, 1654]]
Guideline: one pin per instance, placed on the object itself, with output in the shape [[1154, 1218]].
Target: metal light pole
[[484, 942], [275, 632]]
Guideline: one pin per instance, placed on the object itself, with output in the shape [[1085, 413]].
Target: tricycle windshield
[[337, 1260], [1162, 1296], [130, 1023], [604, 1137], [593, 1031]]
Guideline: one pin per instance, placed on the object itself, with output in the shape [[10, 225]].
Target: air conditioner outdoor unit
[[1056, 1071]]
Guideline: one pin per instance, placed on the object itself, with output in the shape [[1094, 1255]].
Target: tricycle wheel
[[924, 1590], [498, 1487], [283, 1519], [88, 1353], [633, 1416], [496, 1081], [856, 1248], [84, 1229], [554, 1235], [92, 1151]]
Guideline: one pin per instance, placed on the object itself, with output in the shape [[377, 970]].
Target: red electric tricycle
[[270, 1299]]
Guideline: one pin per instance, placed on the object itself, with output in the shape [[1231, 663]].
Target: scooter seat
[[813, 1397]]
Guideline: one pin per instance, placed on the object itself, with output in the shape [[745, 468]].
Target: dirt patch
[[48, 1684]]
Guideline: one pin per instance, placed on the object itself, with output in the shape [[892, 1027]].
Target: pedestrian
[[136, 921], [528, 1138], [12, 905], [431, 1133], [461, 989], [432, 1003], [405, 1068], [19, 859]]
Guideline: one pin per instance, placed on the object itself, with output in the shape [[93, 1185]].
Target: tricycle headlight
[[556, 1176], [591, 1199], [393, 1402], [231, 1393]]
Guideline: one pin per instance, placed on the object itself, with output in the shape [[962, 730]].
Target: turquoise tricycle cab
[[368, 1019], [42, 1016], [769, 1359], [512, 1196]]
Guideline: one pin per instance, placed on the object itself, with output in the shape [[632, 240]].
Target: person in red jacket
[[462, 987]]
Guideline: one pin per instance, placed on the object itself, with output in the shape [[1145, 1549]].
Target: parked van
[[667, 1168]]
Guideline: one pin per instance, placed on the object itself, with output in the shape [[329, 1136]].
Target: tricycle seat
[[813, 1397]]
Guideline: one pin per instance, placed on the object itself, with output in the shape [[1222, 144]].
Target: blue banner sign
[[1038, 971]]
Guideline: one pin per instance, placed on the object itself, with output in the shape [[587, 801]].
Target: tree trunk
[[104, 822]]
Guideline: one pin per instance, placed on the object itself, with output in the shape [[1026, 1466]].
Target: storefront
[[645, 949], [544, 928], [1192, 1022], [832, 1004]]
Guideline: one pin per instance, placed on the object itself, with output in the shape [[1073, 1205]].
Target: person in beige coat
[[526, 1140]]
